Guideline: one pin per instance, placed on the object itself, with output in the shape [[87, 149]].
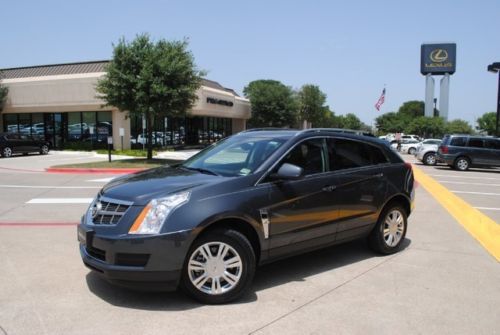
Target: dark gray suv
[[464, 151], [252, 198]]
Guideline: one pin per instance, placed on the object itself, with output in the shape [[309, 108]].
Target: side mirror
[[288, 172]]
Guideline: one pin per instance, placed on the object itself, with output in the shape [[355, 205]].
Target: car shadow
[[296, 268]]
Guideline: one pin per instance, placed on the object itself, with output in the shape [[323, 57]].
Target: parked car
[[252, 198], [427, 151], [13, 143], [465, 151], [407, 146]]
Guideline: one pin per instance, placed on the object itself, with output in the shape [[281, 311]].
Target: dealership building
[[59, 103]]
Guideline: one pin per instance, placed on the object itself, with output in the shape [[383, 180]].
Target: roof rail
[[268, 128], [338, 130]]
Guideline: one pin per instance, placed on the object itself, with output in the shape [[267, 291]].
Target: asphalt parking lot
[[443, 282]]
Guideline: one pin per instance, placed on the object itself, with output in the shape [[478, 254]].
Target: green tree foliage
[[427, 127], [391, 123], [349, 121], [4, 90], [487, 123], [411, 109], [151, 79], [273, 104], [459, 127], [311, 105]]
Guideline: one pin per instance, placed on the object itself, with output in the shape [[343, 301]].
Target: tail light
[[443, 149]]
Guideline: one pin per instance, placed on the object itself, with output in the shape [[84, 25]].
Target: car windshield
[[234, 156]]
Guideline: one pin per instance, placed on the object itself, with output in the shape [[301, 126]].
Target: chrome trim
[[89, 217]]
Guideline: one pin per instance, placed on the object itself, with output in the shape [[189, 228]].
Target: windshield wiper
[[201, 170]]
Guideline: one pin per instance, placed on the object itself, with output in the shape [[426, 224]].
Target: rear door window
[[348, 154], [492, 144], [476, 143]]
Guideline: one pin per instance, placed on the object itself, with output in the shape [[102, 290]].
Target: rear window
[[458, 141]]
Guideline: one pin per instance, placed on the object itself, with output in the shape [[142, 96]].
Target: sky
[[350, 49]]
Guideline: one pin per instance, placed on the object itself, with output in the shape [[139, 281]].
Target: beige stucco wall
[[76, 92], [120, 121]]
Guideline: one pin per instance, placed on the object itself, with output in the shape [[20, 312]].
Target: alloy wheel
[[462, 164], [7, 152], [393, 228], [44, 150], [430, 159], [215, 268]]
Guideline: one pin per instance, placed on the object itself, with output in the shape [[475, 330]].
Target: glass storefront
[[63, 130], [89, 130], [198, 130]]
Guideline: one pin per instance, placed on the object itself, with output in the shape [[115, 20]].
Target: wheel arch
[[402, 199], [239, 224]]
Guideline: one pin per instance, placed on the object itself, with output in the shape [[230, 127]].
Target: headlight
[[152, 217]]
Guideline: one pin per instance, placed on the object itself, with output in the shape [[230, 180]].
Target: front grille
[[106, 211]]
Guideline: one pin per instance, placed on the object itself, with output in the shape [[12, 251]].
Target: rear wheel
[[430, 158], [411, 151], [7, 152], [219, 267], [462, 163], [390, 231]]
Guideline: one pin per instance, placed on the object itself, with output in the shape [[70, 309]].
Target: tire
[[390, 231], [430, 158], [210, 280], [6, 152], [462, 163], [44, 149], [411, 151]]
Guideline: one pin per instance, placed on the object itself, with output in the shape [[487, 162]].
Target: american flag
[[381, 100]]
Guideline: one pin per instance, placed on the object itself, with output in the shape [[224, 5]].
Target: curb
[[94, 170]]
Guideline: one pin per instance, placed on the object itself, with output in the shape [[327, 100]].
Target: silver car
[[426, 152]]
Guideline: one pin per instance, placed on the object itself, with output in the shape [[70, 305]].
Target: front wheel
[[44, 149], [219, 267], [7, 152], [390, 231]]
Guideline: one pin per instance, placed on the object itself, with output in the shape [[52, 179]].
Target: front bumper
[[141, 262]]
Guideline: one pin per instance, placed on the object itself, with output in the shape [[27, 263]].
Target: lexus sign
[[438, 58]]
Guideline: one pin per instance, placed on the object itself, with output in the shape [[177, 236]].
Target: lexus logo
[[96, 208], [439, 55]]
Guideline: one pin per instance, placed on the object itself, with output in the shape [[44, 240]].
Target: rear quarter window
[[458, 141]]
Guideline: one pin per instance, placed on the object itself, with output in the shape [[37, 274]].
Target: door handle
[[378, 175], [329, 188]]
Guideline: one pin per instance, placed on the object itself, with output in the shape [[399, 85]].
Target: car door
[[361, 185], [301, 213], [492, 146], [477, 152]]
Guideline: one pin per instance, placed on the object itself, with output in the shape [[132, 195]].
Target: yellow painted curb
[[481, 227]]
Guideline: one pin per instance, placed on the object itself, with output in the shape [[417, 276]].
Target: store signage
[[438, 58], [222, 102]]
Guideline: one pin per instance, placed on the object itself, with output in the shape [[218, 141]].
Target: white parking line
[[488, 208], [46, 186], [464, 177], [60, 201], [464, 183], [480, 193], [102, 180]]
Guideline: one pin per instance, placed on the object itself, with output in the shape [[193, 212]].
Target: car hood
[[141, 187]]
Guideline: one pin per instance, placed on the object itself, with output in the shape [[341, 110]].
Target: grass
[[129, 152], [123, 163]]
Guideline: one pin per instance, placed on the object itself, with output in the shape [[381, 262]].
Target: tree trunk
[[150, 135]]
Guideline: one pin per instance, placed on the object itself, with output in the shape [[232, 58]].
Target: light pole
[[495, 68]]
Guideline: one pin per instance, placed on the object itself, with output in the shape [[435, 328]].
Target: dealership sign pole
[[437, 59]]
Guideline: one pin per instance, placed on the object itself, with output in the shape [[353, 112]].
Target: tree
[[273, 104], [311, 104], [391, 123], [413, 108], [427, 127], [4, 90], [151, 79], [459, 127], [487, 123]]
